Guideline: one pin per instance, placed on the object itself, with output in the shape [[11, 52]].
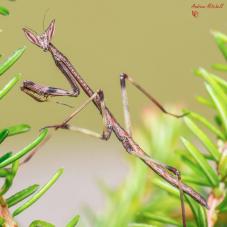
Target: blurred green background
[[158, 43]]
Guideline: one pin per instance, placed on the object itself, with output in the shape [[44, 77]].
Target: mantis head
[[42, 40]]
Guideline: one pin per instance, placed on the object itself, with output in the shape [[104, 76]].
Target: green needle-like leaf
[[205, 101], [4, 11], [161, 219], [211, 148], [39, 223], [39, 193], [220, 35], [2, 221], [198, 212], [167, 187], [4, 172], [210, 78], [197, 177], [17, 129], [9, 86], [214, 81], [222, 166], [140, 225], [21, 195], [5, 156], [186, 157], [223, 205], [25, 150], [10, 177], [74, 221], [221, 41], [220, 105], [11, 60], [196, 180], [219, 67], [15, 167], [207, 123], [204, 165], [3, 134]]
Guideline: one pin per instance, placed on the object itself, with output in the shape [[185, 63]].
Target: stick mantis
[[42, 93]]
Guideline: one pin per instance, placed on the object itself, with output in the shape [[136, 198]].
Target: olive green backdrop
[[158, 43]]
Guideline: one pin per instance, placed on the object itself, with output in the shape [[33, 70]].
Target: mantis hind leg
[[123, 78], [171, 172]]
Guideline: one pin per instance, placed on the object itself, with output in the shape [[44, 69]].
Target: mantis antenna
[[44, 18]]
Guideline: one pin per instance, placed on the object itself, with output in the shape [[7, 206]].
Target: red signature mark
[[209, 6], [195, 13]]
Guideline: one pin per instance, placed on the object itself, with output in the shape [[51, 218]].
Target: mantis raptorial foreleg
[[41, 93]]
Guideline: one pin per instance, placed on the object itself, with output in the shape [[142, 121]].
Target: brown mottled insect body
[[168, 173]]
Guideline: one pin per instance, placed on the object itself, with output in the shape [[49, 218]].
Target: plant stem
[[216, 196], [212, 213], [5, 214]]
